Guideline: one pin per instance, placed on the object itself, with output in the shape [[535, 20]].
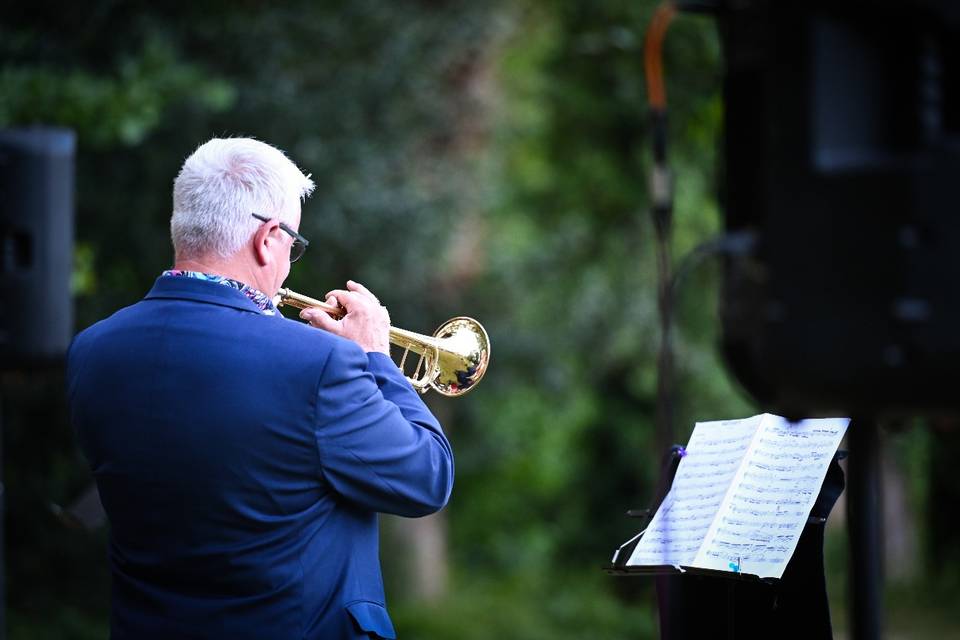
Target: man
[[241, 457]]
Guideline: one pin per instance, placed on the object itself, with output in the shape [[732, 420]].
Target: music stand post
[[864, 532], [3, 542]]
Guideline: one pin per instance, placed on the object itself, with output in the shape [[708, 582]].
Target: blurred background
[[471, 158]]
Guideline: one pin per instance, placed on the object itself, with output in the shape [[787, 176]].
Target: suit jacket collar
[[180, 288]]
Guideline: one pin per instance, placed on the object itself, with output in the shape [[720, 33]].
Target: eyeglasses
[[299, 242]]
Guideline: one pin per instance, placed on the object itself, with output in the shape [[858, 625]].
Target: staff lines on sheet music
[[790, 526], [704, 484], [780, 502], [805, 478], [699, 493], [679, 540], [712, 472], [755, 554], [794, 456], [686, 508], [685, 520], [765, 513], [680, 534], [721, 454], [752, 535], [793, 439], [780, 488]]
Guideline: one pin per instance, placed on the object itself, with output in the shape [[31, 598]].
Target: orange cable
[[653, 55]]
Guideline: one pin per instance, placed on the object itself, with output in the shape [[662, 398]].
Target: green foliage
[[123, 106]]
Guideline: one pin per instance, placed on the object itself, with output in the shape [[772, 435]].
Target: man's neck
[[232, 269]]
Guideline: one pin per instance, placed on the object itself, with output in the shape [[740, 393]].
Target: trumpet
[[452, 360]]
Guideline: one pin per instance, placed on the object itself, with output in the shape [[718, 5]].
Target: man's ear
[[263, 240]]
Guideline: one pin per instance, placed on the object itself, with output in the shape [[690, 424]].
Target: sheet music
[[771, 496], [712, 459]]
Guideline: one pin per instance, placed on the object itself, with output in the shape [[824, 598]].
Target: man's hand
[[367, 322]]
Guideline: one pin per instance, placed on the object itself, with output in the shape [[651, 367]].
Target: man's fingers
[[321, 320], [353, 285], [344, 298], [349, 299], [333, 302]]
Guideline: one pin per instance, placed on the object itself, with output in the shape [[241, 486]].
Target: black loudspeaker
[[842, 158], [36, 245]]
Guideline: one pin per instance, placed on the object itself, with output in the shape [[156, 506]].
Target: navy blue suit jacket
[[242, 460]]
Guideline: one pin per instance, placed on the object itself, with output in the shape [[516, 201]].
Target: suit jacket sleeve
[[380, 447]]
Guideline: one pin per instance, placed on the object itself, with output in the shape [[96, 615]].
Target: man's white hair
[[221, 184]]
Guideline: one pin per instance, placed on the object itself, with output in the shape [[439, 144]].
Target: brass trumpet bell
[[452, 361]]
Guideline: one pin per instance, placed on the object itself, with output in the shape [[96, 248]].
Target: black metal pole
[[3, 541], [865, 533]]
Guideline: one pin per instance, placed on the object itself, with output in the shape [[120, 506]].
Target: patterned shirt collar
[[259, 298]]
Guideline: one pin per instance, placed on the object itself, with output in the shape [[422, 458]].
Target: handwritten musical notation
[[742, 495]]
